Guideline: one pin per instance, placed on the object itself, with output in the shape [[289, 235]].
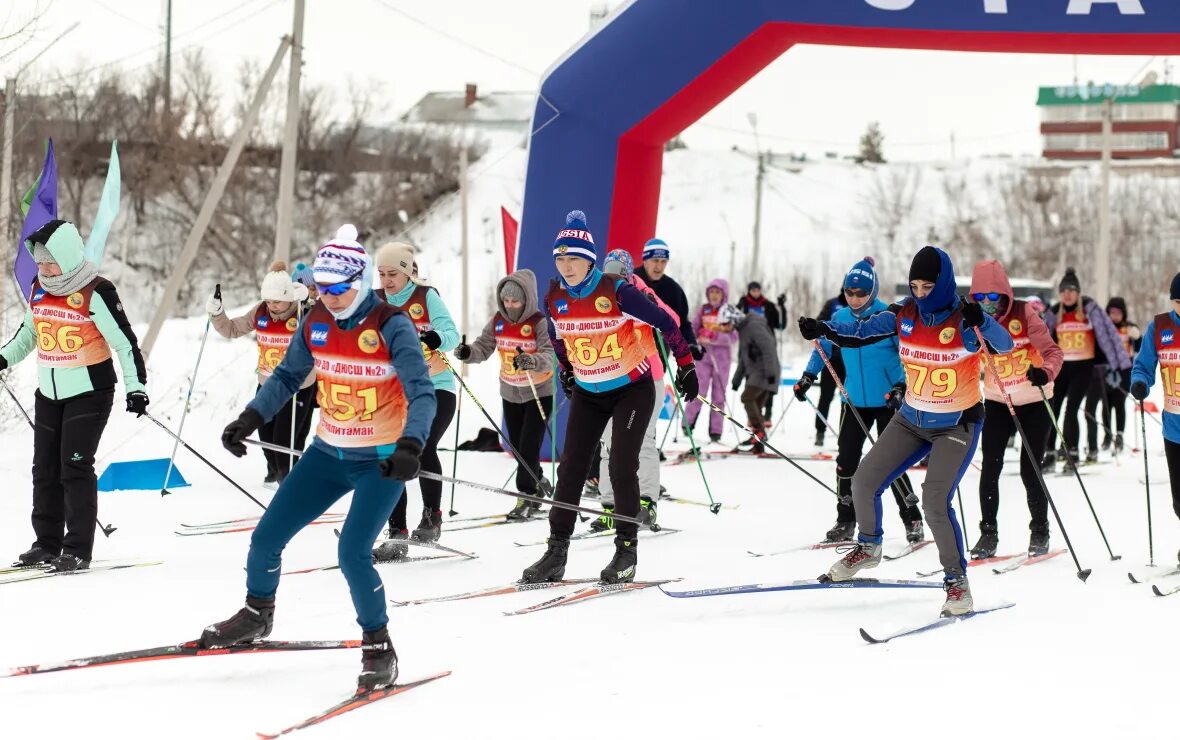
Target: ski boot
[[1069, 461], [1049, 462], [67, 563], [648, 513], [1118, 443], [819, 439], [621, 568], [1038, 540], [915, 532], [551, 566], [1091, 455], [430, 528], [605, 521], [591, 489], [714, 437], [842, 532], [378, 661], [860, 555], [252, 622], [664, 492], [390, 550], [35, 556], [958, 597], [1107, 440], [985, 546], [522, 510]]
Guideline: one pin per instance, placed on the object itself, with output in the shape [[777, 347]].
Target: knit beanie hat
[[656, 249], [303, 274], [619, 262], [1070, 281], [575, 239], [511, 291], [398, 256], [342, 259], [862, 276], [1119, 303], [1174, 293], [753, 284], [277, 285], [926, 265]]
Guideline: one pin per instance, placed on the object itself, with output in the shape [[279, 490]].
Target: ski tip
[[1083, 575], [1132, 578], [869, 638], [1157, 591]]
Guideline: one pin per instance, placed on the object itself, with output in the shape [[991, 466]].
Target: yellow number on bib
[[333, 399], [945, 381], [1171, 378], [1071, 340], [44, 338], [67, 339], [611, 348], [919, 380], [583, 351], [272, 357]]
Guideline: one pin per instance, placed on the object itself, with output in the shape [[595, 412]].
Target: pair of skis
[[1167, 590], [909, 549], [604, 533], [1013, 562], [19, 575], [193, 650], [590, 588]]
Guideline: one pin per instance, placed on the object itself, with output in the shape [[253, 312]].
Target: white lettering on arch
[[1126, 7], [891, 4]]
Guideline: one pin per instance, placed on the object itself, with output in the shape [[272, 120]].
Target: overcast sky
[[813, 99]]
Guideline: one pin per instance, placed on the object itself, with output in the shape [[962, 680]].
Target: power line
[[123, 15]]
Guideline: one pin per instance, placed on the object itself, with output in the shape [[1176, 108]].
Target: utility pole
[[168, 61], [288, 168], [463, 237], [757, 217], [1102, 253], [952, 146]]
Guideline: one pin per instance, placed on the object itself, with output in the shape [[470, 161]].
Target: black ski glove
[[431, 339], [524, 361], [806, 380], [246, 424], [1139, 390], [568, 382], [972, 315], [1038, 377], [137, 403], [697, 351], [687, 383], [405, 462], [895, 396], [3, 364], [813, 329], [462, 352]]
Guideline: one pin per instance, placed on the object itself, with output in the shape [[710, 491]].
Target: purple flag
[[42, 210]]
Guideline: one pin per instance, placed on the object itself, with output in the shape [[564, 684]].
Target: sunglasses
[[993, 297], [341, 287], [856, 293]]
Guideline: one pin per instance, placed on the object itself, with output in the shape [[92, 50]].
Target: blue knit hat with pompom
[[575, 239]]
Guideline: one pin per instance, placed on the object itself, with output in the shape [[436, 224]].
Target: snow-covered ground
[[1070, 660]]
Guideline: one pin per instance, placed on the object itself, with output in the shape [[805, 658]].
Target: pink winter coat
[[705, 321]]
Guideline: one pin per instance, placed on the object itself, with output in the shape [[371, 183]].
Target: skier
[[827, 384], [776, 318], [1119, 384], [875, 382], [941, 414], [396, 268], [1087, 338], [75, 321], [273, 322], [1161, 345], [377, 404], [759, 367], [607, 377], [618, 263], [518, 324], [718, 340], [656, 254], [1024, 372]]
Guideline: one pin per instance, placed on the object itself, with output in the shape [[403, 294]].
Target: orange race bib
[[942, 376], [1167, 348], [1013, 366], [416, 309], [273, 338], [600, 341], [1075, 335], [66, 335], [510, 337]]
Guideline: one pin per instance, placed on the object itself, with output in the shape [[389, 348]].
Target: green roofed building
[[1145, 121]]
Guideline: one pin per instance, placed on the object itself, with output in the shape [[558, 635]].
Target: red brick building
[[1145, 121]]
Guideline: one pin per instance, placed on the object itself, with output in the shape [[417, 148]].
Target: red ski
[[589, 592]]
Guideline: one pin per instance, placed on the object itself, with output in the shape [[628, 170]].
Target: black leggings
[[1172, 450], [1116, 399], [997, 428], [628, 409], [1070, 388], [277, 431], [431, 489], [852, 440], [526, 431]]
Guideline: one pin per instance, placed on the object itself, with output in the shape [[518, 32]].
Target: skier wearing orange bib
[[941, 415], [607, 376]]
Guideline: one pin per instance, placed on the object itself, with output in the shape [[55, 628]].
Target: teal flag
[[108, 210]]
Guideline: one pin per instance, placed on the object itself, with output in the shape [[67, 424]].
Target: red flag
[[511, 228]]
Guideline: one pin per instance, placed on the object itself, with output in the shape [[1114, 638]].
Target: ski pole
[[295, 398], [106, 531], [1078, 475], [1083, 574], [1150, 415], [189, 397], [771, 447], [471, 484], [714, 506], [781, 416], [455, 452], [671, 423], [203, 459], [819, 415], [1147, 486], [544, 417], [542, 484]]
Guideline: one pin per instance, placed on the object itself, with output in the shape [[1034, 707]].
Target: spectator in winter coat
[[759, 367], [655, 261], [1088, 338], [718, 339], [776, 318]]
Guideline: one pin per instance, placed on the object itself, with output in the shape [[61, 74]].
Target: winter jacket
[[657, 365], [1144, 372], [484, 345], [1021, 319], [704, 320], [760, 305], [405, 355], [1108, 349], [244, 326], [672, 294], [871, 371], [758, 361], [56, 382], [441, 322]]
